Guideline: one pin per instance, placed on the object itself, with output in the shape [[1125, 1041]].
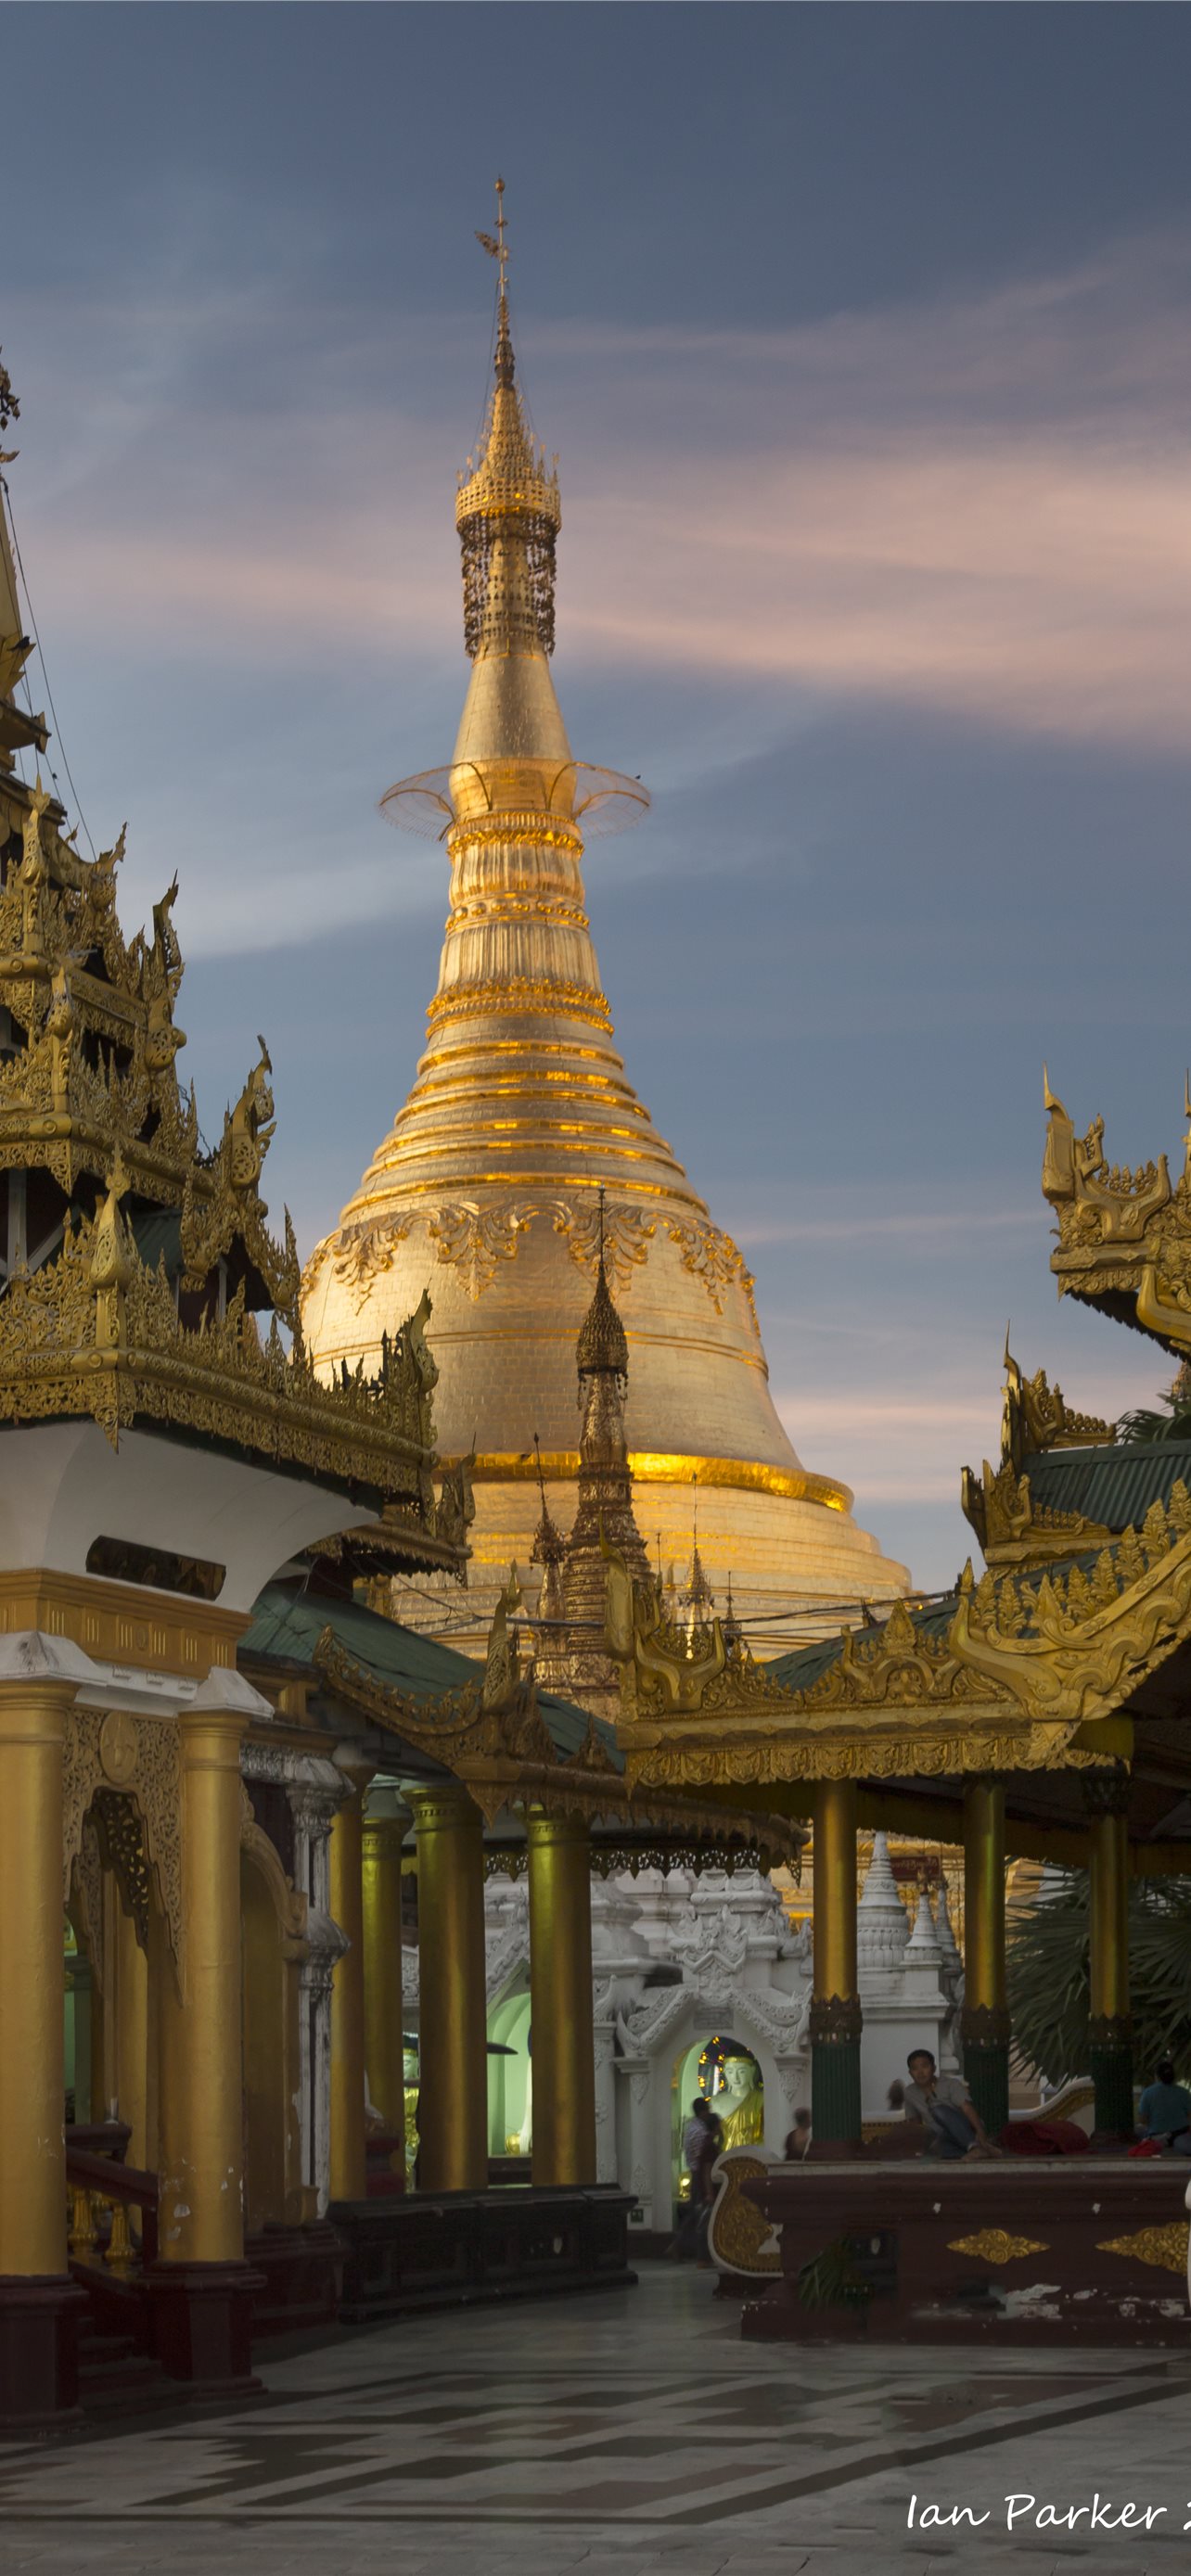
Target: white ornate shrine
[[685, 1964]]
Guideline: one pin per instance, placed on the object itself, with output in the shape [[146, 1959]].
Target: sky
[[862, 335]]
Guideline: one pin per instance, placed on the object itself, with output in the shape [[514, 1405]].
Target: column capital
[[985, 2025], [836, 2017], [226, 1693], [40, 1670], [441, 1804], [386, 1833], [1110, 2030], [543, 1827], [1106, 1793], [355, 1767]]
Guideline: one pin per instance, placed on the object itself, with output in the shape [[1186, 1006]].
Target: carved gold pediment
[[1123, 1234], [1014, 1530], [492, 1737], [1023, 1678]]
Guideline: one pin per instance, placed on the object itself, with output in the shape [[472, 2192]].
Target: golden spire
[[10, 615], [507, 511], [601, 1350]]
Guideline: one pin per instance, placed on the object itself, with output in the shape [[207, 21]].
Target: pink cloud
[[982, 507]]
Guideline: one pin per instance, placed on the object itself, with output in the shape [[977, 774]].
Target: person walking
[[694, 2146], [713, 2147], [702, 2139]]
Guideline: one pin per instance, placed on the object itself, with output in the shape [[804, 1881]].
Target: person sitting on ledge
[[1164, 2111], [799, 2138], [943, 2103]]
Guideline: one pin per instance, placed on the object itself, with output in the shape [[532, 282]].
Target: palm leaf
[[1048, 1975]]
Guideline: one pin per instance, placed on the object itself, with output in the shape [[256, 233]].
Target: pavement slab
[[630, 2436]]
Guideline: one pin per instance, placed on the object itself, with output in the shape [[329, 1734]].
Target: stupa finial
[[507, 501], [497, 248], [602, 1349]]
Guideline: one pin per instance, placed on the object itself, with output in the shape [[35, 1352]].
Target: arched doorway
[[510, 2080], [725, 2072]]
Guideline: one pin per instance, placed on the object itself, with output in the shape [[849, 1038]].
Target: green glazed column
[[835, 2003]]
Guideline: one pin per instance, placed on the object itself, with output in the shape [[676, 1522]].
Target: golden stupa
[[487, 1189]]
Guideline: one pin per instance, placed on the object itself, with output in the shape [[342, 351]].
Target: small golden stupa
[[487, 1188]]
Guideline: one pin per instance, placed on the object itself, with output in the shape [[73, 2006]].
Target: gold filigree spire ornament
[[573, 1656], [601, 1350], [508, 511], [549, 1550], [513, 765]]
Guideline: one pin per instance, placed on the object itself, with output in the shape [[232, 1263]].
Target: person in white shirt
[[944, 2103]]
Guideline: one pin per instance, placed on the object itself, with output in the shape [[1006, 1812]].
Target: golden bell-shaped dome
[[523, 1166]]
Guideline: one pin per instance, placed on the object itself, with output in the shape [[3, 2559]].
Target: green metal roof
[[288, 1622], [806, 1664], [158, 1231], [1113, 1486]]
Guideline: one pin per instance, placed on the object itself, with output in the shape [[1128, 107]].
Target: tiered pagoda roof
[[142, 1283], [1070, 1657]]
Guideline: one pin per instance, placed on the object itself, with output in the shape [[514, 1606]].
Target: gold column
[[1109, 1916], [201, 2076], [383, 1838], [1110, 2033], [984, 2021], [33, 1713], [564, 2139], [133, 2040], [453, 2019], [347, 1997], [835, 2002], [100, 2015]]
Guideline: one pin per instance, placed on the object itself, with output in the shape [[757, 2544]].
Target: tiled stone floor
[[630, 2434]]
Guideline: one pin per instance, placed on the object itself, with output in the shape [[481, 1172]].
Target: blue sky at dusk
[[862, 334]]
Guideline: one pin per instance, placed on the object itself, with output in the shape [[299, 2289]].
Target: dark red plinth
[[302, 2272], [39, 2381], [1074, 2249], [202, 2325]]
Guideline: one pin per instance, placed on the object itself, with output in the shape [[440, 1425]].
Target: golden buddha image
[[740, 2103]]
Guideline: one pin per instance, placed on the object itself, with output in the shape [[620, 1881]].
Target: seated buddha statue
[[740, 2103]]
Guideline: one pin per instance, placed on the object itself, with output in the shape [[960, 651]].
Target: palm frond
[[1048, 1975]]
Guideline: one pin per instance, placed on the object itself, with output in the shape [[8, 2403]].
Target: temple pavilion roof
[[291, 1621], [1112, 1486], [431, 1711], [142, 1284]]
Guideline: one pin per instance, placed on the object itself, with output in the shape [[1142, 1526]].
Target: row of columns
[[191, 2058], [984, 2021], [367, 2010], [200, 2283]]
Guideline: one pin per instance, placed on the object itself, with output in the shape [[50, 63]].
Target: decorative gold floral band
[[661, 1467]]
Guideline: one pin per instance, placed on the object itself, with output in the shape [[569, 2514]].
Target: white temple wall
[[677, 1961]]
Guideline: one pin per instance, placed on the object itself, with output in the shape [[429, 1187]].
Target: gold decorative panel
[[996, 2245]]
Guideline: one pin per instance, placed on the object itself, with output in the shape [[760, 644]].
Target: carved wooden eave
[[504, 1755], [96, 1333], [1015, 1531], [1028, 1676], [1011, 1528], [93, 1067], [134, 1259], [1124, 1235]]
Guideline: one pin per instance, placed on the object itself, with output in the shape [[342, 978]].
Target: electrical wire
[[16, 548]]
